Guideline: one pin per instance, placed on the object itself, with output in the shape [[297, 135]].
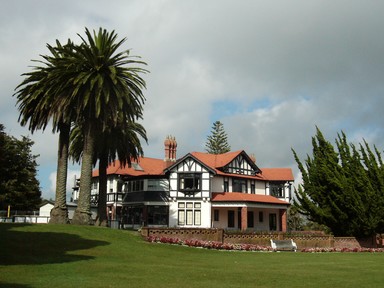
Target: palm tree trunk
[[102, 204], [59, 213], [82, 215]]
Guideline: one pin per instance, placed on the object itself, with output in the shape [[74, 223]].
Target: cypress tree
[[342, 189], [217, 142]]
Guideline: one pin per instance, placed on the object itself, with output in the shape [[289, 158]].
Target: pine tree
[[217, 142], [343, 188]]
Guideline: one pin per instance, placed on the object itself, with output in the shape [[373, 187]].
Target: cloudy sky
[[270, 71]]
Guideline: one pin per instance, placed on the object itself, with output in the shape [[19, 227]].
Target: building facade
[[198, 190]]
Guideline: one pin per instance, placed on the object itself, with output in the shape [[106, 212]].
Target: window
[[261, 217], [157, 215], [239, 185], [189, 217], [137, 167], [189, 213], [216, 215], [276, 189], [231, 219], [181, 214], [190, 182], [197, 217], [156, 185], [111, 197], [135, 185], [181, 218], [250, 219], [138, 185]]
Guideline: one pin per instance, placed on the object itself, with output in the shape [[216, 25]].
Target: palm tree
[[121, 141], [35, 96], [105, 89]]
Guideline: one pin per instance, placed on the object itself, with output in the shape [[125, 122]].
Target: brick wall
[[185, 233], [302, 241]]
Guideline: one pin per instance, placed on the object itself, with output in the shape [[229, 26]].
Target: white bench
[[283, 245]]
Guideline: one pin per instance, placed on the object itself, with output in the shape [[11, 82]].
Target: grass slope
[[82, 256]]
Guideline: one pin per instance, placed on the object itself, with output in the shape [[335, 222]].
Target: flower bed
[[208, 244], [247, 247], [322, 250]]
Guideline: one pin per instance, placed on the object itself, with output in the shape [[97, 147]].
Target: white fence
[[26, 219]]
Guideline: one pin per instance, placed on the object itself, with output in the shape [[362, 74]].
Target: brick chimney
[[170, 146]]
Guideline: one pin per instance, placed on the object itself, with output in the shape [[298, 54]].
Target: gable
[[237, 163], [242, 165], [189, 164]]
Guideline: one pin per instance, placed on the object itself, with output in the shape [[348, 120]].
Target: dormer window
[[190, 181], [137, 167]]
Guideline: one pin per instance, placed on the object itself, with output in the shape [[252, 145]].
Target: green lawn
[[81, 256]]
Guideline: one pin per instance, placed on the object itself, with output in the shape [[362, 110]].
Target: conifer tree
[[19, 186], [343, 188], [217, 142]]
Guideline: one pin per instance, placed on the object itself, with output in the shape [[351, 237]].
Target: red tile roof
[[220, 160], [150, 166], [153, 166], [216, 161], [244, 197], [278, 174]]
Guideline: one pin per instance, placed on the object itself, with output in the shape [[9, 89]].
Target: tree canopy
[[342, 188], [217, 142], [19, 186], [37, 96], [107, 91], [121, 141], [91, 86]]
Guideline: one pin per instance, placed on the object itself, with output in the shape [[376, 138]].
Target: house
[[47, 205], [198, 190], [45, 208]]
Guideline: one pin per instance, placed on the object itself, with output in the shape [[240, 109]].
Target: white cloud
[[51, 191], [269, 71]]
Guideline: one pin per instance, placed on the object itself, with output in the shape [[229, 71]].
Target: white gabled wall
[[189, 166], [198, 200]]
